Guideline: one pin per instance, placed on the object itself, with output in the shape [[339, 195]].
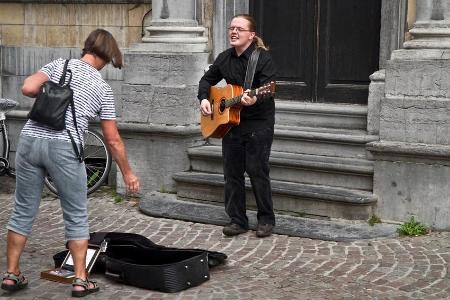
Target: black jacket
[[232, 68]]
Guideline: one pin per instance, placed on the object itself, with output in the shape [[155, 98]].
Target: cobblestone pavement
[[278, 267]]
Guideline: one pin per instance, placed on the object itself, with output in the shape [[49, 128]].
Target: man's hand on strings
[[246, 100]]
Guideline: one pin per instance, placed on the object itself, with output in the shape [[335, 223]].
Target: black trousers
[[248, 153]]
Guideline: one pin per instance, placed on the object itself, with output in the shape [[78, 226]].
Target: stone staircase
[[319, 164]]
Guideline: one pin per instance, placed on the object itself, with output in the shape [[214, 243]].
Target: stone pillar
[[412, 167], [432, 27], [224, 10], [392, 31], [160, 106]]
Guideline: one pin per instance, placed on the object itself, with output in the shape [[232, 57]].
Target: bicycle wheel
[[97, 160], [4, 148]]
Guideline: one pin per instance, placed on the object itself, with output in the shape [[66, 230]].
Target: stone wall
[[33, 34], [412, 163], [67, 25]]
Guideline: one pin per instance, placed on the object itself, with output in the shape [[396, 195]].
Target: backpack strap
[[80, 153], [62, 80]]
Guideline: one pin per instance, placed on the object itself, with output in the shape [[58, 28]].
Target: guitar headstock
[[267, 89]]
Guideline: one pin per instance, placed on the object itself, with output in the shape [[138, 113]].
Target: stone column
[[224, 10], [412, 167], [160, 106], [432, 27], [392, 31]]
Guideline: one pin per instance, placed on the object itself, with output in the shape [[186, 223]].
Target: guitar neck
[[237, 99]]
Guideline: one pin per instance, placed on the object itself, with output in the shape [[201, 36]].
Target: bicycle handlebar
[[7, 104]]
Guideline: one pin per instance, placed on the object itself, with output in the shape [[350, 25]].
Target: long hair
[[252, 26], [101, 43]]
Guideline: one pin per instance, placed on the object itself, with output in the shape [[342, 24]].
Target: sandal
[[20, 282], [85, 284]]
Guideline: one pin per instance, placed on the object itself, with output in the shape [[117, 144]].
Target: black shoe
[[233, 229], [264, 230]]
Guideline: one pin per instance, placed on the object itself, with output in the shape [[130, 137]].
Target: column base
[[171, 46], [174, 39], [427, 44], [429, 36]]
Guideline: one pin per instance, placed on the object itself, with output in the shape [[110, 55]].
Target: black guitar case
[[135, 260]]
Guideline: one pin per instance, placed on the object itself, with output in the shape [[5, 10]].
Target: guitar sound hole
[[222, 106]]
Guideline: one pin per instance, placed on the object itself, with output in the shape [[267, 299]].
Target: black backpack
[[50, 106]]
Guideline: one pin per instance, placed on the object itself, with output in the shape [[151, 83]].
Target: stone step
[[295, 167], [288, 197], [319, 141], [322, 141], [309, 114], [165, 205]]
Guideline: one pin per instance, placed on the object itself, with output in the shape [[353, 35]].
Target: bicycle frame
[[4, 158], [4, 132]]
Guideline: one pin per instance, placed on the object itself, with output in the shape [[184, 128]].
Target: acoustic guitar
[[225, 107]]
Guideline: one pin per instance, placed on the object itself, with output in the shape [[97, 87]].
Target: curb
[[165, 205]]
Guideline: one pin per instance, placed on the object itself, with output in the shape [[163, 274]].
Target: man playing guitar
[[246, 147]]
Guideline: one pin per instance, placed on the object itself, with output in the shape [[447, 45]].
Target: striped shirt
[[93, 97]]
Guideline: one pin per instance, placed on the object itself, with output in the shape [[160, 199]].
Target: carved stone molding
[[79, 1]]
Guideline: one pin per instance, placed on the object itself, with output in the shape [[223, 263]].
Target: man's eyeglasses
[[238, 29]]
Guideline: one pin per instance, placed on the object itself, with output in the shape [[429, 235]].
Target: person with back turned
[[42, 150]]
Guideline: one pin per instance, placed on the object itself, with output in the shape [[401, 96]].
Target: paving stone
[[277, 267]]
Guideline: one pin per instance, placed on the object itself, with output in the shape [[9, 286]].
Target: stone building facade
[[386, 154], [411, 155], [33, 33]]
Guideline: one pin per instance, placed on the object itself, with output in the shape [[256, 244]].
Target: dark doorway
[[325, 50]]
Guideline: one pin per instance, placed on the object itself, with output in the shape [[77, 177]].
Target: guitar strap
[[251, 68]]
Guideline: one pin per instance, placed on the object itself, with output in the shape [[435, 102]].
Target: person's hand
[[246, 100], [132, 184], [205, 107]]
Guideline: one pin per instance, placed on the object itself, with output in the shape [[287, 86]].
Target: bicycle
[[97, 157], [5, 168]]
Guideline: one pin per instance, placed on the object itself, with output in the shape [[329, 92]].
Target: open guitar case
[[133, 259]]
